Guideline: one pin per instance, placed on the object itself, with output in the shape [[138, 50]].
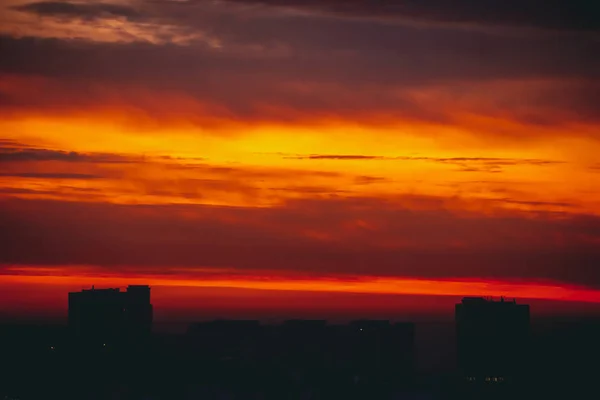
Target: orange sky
[[400, 161]]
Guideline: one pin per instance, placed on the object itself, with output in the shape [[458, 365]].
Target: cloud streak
[[579, 15], [335, 236], [465, 164], [278, 282], [88, 11], [28, 154], [49, 175]]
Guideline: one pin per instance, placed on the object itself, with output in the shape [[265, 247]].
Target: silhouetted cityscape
[[108, 351]]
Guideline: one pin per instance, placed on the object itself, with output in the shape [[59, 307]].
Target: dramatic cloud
[[357, 237], [465, 164], [12, 154], [357, 139], [89, 11], [338, 157], [449, 160], [49, 175], [98, 22], [554, 83], [578, 15]]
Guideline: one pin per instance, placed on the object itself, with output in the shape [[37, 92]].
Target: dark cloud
[[49, 175], [281, 66], [489, 169], [383, 68], [363, 236], [13, 144], [536, 203], [499, 161], [251, 173], [570, 15], [24, 154], [88, 11], [450, 160], [336, 157], [465, 164], [367, 180], [18, 191], [490, 165], [310, 189]]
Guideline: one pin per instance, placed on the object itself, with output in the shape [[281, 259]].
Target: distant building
[[303, 342], [565, 356], [492, 339], [381, 350], [304, 324], [226, 340], [227, 327], [138, 310], [107, 315]]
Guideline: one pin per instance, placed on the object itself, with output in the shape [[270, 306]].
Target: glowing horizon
[[269, 280]]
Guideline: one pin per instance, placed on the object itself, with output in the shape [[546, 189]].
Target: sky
[[330, 155]]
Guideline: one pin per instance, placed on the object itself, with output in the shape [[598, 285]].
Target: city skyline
[[108, 351]]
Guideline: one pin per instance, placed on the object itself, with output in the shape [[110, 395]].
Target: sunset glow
[[262, 280], [282, 150]]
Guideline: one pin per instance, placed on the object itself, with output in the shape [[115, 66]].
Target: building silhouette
[[373, 354], [244, 359], [303, 342], [106, 316], [565, 357], [232, 341], [492, 339], [384, 348], [296, 356]]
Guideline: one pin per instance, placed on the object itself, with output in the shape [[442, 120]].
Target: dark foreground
[[242, 362]]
